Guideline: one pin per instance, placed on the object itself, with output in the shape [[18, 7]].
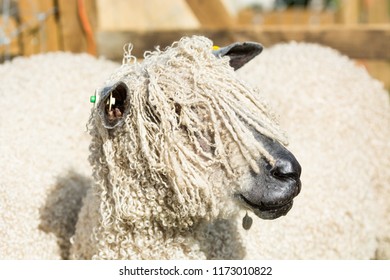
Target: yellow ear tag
[[215, 48]]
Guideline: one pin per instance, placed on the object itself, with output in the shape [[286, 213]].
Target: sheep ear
[[239, 53], [113, 104]]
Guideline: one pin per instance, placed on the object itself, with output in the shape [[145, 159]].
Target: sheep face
[[269, 193], [178, 139]]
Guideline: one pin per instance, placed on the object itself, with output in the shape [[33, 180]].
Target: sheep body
[[44, 150], [338, 121]]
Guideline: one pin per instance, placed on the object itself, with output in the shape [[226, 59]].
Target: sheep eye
[[113, 105]]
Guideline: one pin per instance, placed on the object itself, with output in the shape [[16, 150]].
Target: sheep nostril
[[286, 169]]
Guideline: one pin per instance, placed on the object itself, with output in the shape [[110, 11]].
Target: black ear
[[239, 53], [113, 104]]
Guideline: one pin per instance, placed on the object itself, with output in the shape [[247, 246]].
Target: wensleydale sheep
[[337, 118], [179, 146], [338, 121]]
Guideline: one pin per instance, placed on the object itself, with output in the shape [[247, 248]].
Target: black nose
[[285, 173], [286, 168]]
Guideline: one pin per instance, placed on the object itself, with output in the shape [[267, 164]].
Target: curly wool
[[172, 163]]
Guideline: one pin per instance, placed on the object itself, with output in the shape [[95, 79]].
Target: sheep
[[43, 196], [338, 121], [179, 146]]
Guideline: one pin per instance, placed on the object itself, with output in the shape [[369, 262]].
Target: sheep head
[[179, 138]]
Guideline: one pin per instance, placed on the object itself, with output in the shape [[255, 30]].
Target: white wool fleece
[[44, 150]]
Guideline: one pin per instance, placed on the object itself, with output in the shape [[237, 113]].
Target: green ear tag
[[92, 99]]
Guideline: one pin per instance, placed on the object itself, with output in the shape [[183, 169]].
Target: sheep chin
[[265, 212], [272, 214]]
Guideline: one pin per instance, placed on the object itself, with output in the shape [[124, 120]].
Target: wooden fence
[[357, 28], [35, 26]]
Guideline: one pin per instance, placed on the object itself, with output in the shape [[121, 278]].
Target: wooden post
[[378, 11], [38, 25], [211, 13], [49, 33], [10, 48], [349, 11], [72, 32], [28, 10]]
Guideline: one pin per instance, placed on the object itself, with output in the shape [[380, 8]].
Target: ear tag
[[94, 98], [215, 48], [110, 102]]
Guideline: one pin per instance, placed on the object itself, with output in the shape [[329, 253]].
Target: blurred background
[[357, 28]]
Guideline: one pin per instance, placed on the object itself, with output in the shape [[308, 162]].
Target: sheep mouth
[[266, 212]]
